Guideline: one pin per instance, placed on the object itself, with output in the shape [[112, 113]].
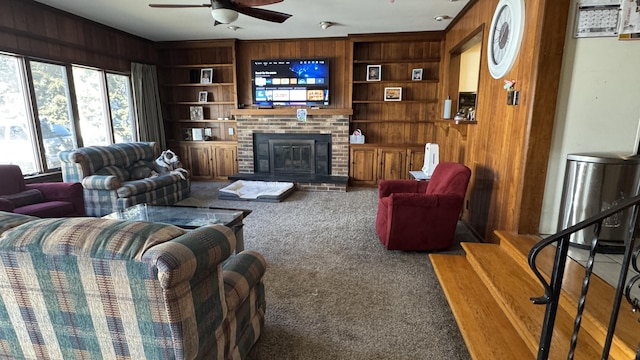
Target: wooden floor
[[489, 291]]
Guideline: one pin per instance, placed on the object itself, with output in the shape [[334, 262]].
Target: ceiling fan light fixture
[[225, 16], [326, 24]]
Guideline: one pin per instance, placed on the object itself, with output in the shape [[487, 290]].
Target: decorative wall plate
[[505, 36]]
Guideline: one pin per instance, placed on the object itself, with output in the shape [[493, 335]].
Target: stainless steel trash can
[[594, 182]]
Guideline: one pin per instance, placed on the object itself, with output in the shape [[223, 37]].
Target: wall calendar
[[597, 18]]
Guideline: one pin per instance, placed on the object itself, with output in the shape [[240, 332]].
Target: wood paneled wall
[[508, 149], [33, 29], [336, 49]]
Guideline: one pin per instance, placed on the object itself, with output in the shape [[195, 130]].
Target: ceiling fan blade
[[176, 6], [250, 3], [262, 14]]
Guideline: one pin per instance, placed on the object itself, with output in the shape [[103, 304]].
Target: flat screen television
[[292, 82]]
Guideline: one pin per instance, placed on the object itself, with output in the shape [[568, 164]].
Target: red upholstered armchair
[[422, 215], [53, 199]]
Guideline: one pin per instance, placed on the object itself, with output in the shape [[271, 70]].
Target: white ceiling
[[349, 16]]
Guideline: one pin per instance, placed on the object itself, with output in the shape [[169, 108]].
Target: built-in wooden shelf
[[290, 111], [395, 61], [200, 85], [205, 121], [197, 66], [201, 103], [396, 81], [429, 101], [393, 121], [459, 125]]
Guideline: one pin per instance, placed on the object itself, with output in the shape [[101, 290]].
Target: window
[[16, 145], [122, 121], [91, 106], [35, 125], [53, 104]]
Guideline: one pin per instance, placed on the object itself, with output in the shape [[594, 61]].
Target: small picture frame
[[202, 96], [374, 72], [197, 134], [393, 94], [206, 76], [416, 74], [196, 113]]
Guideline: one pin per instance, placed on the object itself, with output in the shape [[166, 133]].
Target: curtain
[[148, 107]]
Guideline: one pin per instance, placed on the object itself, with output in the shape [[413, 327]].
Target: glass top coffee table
[[187, 217]]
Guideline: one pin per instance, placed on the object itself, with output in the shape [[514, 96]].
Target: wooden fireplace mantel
[[290, 111]]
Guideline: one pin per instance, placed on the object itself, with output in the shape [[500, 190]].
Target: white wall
[[470, 69], [598, 108]]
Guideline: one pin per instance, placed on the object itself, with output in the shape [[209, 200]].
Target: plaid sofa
[[107, 176], [92, 288]]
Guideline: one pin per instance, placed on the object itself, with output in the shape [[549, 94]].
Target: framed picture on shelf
[[206, 75], [196, 113], [416, 74], [374, 72], [198, 134], [202, 96], [392, 94]]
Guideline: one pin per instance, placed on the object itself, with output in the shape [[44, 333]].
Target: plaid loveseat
[[91, 288], [107, 174]]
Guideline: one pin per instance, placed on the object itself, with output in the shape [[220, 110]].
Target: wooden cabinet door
[[415, 160], [199, 161], [225, 160], [392, 163], [364, 166]]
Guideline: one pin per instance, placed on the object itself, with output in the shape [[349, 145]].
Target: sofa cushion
[[140, 169], [117, 171], [132, 188], [23, 198]]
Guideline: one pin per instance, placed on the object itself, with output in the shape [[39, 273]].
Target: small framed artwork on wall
[[393, 94], [374, 72]]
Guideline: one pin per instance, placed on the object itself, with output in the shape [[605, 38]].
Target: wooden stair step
[[599, 300], [485, 328], [512, 287]]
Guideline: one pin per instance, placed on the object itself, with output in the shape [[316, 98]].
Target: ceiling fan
[[226, 11]]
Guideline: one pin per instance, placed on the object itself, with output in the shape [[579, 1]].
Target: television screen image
[[290, 82]]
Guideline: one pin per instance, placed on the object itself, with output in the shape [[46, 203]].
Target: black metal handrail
[[553, 288]]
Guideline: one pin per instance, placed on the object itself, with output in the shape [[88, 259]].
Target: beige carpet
[[333, 291]]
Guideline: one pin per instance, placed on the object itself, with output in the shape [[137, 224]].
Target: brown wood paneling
[[508, 149], [33, 29]]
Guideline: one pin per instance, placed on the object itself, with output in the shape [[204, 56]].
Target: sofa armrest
[[388, 187], [6, 205], [197, 251], [57, 190], [101, 182], [240, 274], [425, 201]]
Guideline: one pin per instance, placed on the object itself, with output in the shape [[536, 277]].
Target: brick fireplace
[[286, 122]]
